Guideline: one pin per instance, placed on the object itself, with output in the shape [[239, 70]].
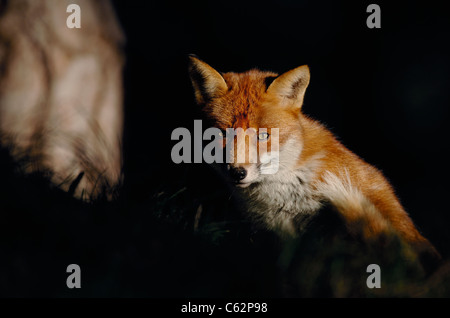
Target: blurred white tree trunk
[[61, 92]]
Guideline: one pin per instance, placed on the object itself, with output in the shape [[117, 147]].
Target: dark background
[[383, 92]]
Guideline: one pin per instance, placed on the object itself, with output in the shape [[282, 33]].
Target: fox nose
[[238, 173]]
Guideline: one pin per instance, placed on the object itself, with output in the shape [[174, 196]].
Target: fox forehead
[[242, 105]]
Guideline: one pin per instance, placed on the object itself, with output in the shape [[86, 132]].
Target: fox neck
[[286, 201], [326, 172]]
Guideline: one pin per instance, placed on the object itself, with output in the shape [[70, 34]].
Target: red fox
[[314, 167]]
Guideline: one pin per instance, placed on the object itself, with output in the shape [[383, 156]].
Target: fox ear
[[290, 87], [207, 82]]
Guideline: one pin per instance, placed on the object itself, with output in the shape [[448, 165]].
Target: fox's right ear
[[207, 82]]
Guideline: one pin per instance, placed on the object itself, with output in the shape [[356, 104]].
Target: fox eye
[[263, 136]]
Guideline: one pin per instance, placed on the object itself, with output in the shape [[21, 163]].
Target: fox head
[[263, 111]]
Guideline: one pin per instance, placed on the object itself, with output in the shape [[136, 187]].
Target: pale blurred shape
[[61, 92]]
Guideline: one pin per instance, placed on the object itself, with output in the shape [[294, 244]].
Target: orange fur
[[361, 194]]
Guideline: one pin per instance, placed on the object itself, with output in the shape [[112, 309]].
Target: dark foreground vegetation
[[185, 239]]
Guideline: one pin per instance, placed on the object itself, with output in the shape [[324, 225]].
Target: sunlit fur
[[315, 168]]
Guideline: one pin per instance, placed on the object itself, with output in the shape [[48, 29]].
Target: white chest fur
[[280, 201]]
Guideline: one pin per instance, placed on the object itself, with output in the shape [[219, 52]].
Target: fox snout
[[243, 175], [248, 159], [237, 174]]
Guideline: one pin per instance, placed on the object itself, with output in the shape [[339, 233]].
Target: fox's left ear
[[290, 87]]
